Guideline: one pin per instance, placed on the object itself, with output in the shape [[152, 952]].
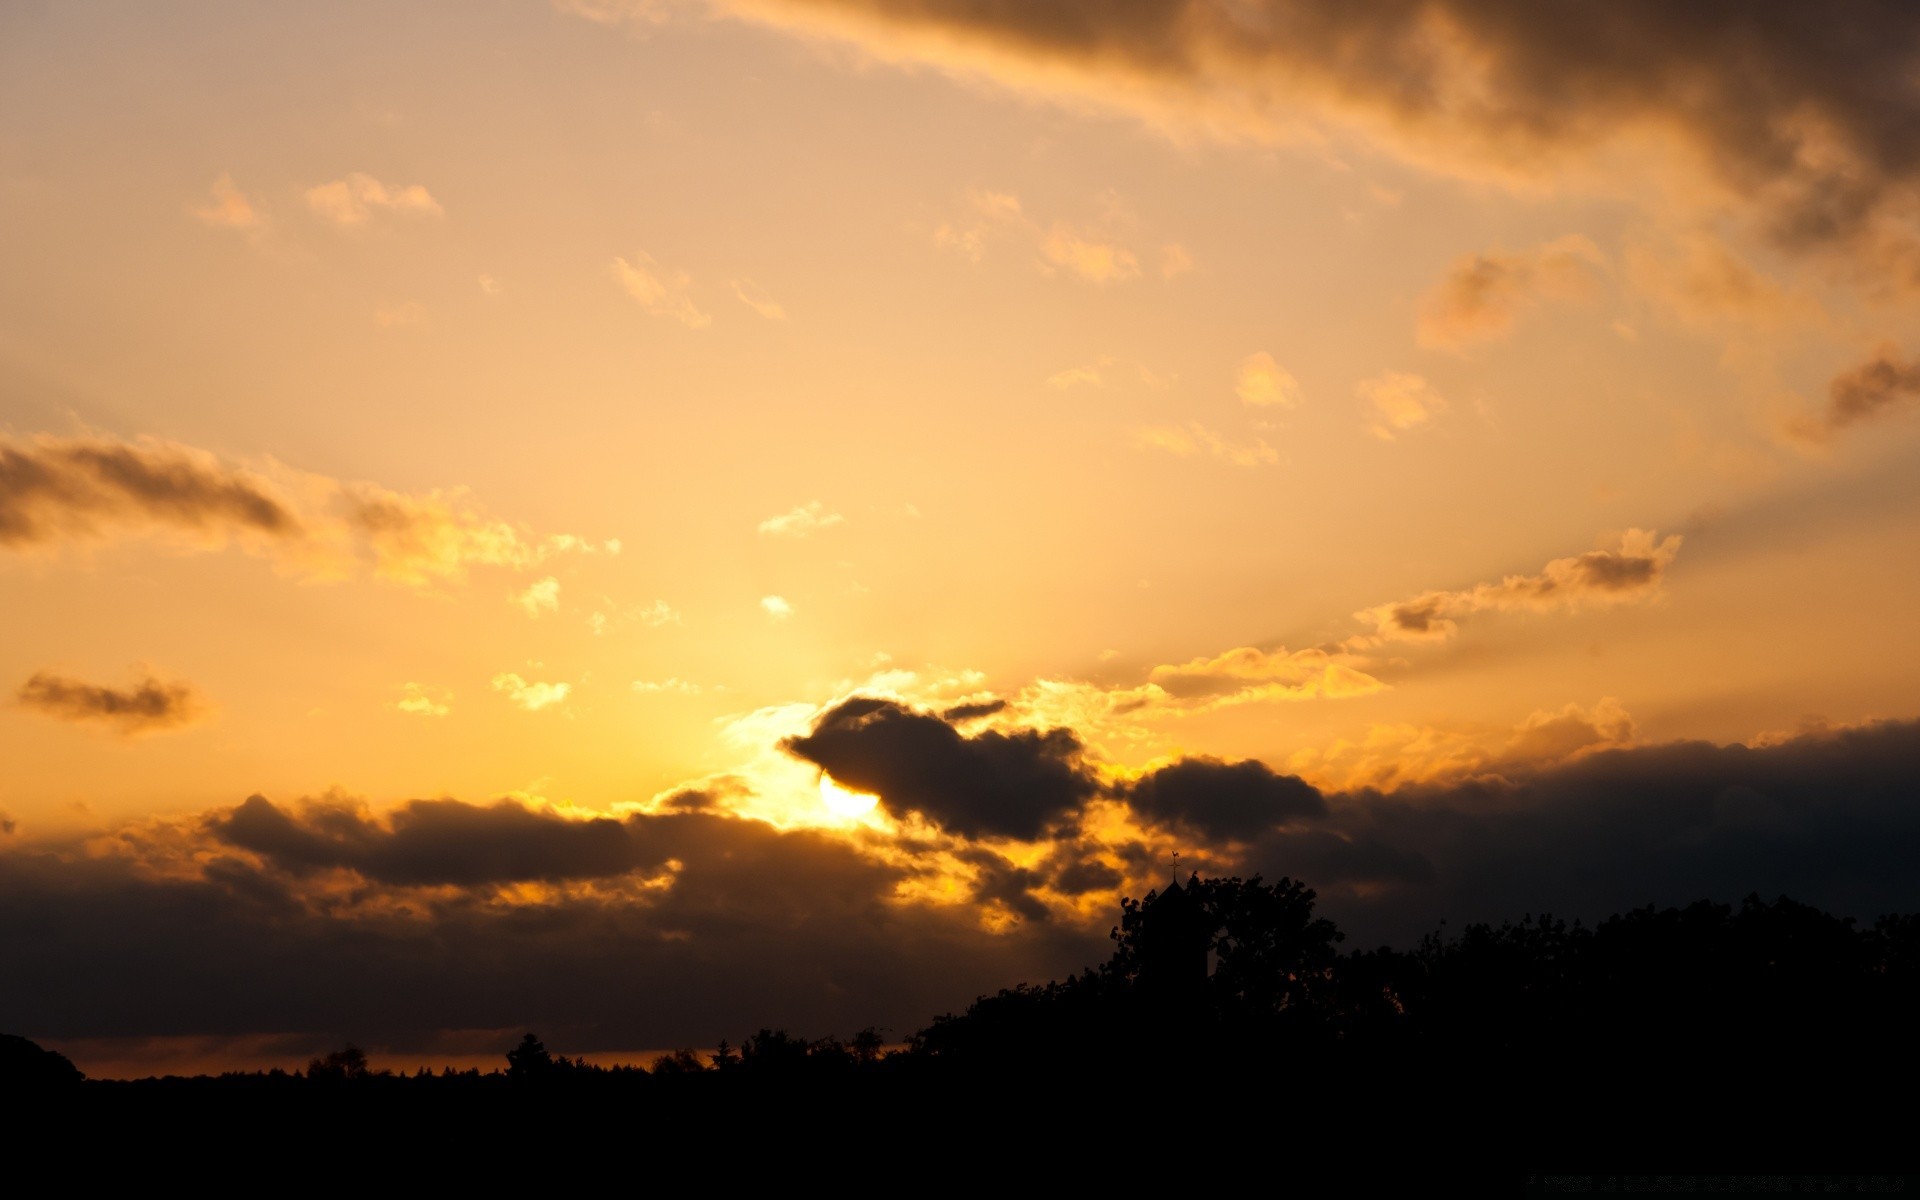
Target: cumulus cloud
[[1803, 119], [150, 705], [227, 207], [1627, 574], [661, 292], [1264, 383], [541, 596], [531, 696], [992, 784], [808, 518], [357, 198], [776, 607], [1398, 402], [1884, 383], [1185, 441], [1483, 294], [57, 490]]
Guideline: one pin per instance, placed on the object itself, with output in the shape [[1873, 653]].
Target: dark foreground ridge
[[1767, 1036]]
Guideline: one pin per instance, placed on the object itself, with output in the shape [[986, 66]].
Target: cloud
[[1802, 120], [392, 316], [228, 207], [541, 596], [750, 295], [1394, 756], [58, 490], [1195, 438], [1088, 257], [1633, 572], [1483, 294], [1075, 377], [354, 200], [1399, 402], [1246, 675], [394, 927], [993, 784], [808, 518], [679, 686], [420, 701], [662, 293], [1882, 384], [1221, 800], [151, 705], [776, 607], [1264, 383], [1175, 260], [531, 696], [1700, 279]]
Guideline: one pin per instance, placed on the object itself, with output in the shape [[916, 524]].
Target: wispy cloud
[[1398, 402], [1483, 294], [749, 294], [807, 519], [418, 700], [540, 597], [227, 207], [661, 292], [531, 696], [1264, 383], [1185, 441]]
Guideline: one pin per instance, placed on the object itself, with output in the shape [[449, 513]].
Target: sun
[[842, 802]]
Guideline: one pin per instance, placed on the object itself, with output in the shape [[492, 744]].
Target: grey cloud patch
[[148, 706], [428, 842], [1881, 384], [972, 712], [1017, 784], [50, 487], [1223, 800]]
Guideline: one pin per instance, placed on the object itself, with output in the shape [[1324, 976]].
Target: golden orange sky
[[547, 411]]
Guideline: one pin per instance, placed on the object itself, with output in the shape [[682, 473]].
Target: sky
[[648, 519]]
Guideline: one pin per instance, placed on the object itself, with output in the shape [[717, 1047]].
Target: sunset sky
[[646, 519]]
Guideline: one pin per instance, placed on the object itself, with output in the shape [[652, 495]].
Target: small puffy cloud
[[776, 607], [541, 596], [749, 294], [531, 696], [679, 686], [227, 207], [1174, 260], [1882, 384], [489, 286], [662, 293], [1195, 438], [418, 700], [1483, 295], [150, 705], [656, 614], [1264, 383], [1398, 402], [357, 198], [808, 518], [1628, 573], [1093, 260], [1017, 784]]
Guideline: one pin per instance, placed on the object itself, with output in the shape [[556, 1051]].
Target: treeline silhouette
[[1767, 1028]]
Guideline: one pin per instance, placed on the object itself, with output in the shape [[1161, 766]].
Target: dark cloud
[[757, 927], [1810, 113], [51, 487], [972, 712], [149, 706], [427, 842], [1829, 818], [992, 784], [1223, 800]]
